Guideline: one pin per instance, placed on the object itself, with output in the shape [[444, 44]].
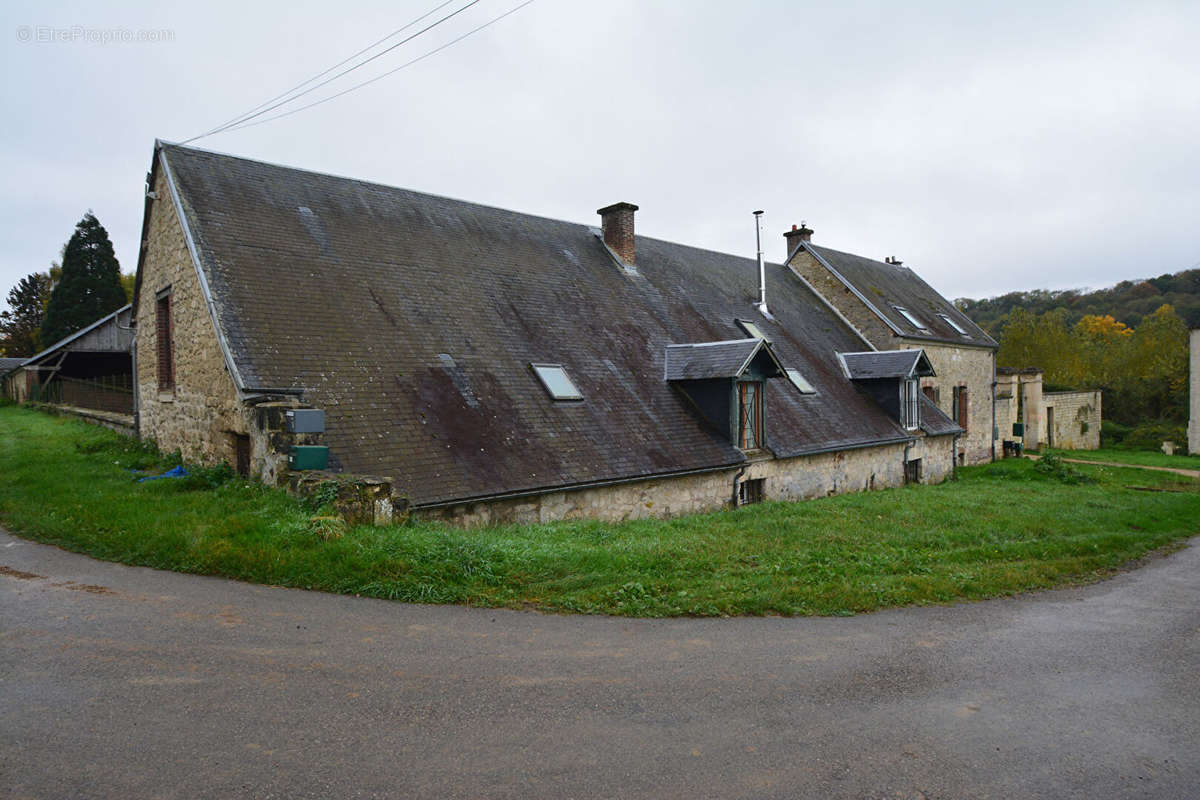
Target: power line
[[246, 124], [344, 61], [273, 106]]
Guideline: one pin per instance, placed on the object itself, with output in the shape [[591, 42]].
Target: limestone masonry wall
[[200, 416], [800, 478], [845, 301], [1071, 420], [970, 367]]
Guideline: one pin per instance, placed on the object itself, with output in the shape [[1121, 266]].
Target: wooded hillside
[[1128, 302]]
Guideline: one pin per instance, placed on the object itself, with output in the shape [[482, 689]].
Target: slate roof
[[887, 364], [7, 365], [936, 422], [412, 320], [887, 287], [711, 359]]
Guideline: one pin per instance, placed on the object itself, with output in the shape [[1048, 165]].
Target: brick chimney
[[617, 223], [797, 235]]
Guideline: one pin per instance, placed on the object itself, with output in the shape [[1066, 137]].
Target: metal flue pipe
[[762, 269]]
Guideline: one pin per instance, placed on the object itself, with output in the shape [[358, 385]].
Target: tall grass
[[999, 529]]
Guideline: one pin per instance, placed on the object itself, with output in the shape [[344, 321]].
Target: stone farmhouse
[[890, 306], [492, 366]]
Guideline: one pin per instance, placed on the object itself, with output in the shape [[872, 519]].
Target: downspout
[[736, 478], [137, 408], [995, 433]]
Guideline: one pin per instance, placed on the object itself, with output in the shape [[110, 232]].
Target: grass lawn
[[1149, 458], [1000, 529]]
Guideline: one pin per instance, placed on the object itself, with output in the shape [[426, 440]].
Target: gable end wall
[[201, 415], [844, 300]]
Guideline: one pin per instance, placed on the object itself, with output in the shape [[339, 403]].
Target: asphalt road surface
[[121, 682]]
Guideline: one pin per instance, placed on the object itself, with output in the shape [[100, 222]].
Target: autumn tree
[[20, 325], [90, 286]]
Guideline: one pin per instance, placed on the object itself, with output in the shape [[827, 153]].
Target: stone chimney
[[617, 223], [797, 235]]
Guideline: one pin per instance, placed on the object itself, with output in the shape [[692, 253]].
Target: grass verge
[[999, 529], [1147, 458]]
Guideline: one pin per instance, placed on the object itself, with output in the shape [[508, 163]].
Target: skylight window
[[799, 382], [911, 317], [953, 324], [752, 329], [556, 381]]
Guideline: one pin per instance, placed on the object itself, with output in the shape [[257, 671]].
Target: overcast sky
[[991, 146]]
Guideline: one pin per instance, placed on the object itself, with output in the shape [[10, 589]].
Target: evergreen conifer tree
[[90, 286]]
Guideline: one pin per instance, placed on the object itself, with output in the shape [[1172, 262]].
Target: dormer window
[[750, 416], [556, 382], [911, 317], [725, 384], [954, 324], [910, 404]]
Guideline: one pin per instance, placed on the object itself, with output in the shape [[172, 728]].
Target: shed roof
[[109, 334], [351, 293], [892, 289]]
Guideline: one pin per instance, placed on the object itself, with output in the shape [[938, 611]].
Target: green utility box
[[308, 456], [1018, 429]]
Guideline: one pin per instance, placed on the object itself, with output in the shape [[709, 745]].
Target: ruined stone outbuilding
[[1034, 418], [490, 366]]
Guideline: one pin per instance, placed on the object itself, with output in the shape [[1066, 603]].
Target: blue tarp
[[177, 472]]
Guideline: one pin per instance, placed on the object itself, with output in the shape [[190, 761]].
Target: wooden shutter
[[962, 407], [164, 345]]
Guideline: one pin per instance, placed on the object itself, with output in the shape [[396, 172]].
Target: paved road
[[129, 683]]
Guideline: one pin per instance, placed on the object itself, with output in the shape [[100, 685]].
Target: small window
[[959, 406], [910, 404], [954, 325], [753, 490], [164, 334], [799, 382], [912, 471], [753, 330], [556, 381], [911, 317], [750, 433]]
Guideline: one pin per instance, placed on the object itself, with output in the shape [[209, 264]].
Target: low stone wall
[[1071, 420], [357, 499], [800, 478], [121, 423]]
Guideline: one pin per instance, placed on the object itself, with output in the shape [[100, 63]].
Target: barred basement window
[[753, 490], [164, 341]]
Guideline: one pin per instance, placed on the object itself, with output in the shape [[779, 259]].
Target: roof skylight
[[556, 381], [799, 382], [753, 330], [953, 324], [911, 317]]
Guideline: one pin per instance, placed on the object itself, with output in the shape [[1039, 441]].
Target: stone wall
[[1071, 420], [201, 414], [1194, 384], [1007, 392], [970, 367], [800, 478], [852, 308]]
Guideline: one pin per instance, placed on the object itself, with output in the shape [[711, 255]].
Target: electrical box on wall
[[306, 420], [308, 457]]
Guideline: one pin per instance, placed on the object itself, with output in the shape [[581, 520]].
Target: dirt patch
[[16, 573]]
